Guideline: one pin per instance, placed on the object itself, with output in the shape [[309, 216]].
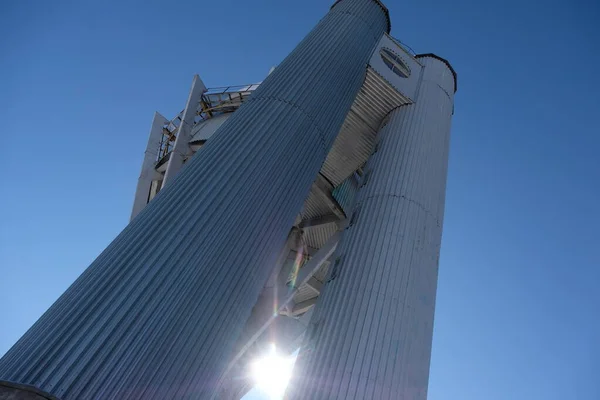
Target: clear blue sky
[[518, 304]]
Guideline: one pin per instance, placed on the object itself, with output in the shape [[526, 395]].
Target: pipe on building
[[371, 332], [156, 315]]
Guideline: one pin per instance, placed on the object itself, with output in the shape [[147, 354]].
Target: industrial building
[[300, 214]]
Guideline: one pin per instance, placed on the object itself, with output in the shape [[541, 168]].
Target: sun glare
[[272, 373]]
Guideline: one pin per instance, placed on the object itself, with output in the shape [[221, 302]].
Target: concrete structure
[[181, 150], [236, 250], [148, 175]]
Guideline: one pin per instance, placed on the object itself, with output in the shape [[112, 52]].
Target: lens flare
[[298, 261], [272, 373]]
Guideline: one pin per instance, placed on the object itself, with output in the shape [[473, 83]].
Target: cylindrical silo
[[370, 336], [156, 314]]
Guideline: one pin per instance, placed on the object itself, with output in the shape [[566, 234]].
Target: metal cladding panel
[[305, 292], [444, 76], [371, 332], [205, 129], [345, 193], [314, 206], [377, 98], [316, 236], [156, 315], [339, 57], [350, 150], [321, 274], [407, 86], [357, 136]]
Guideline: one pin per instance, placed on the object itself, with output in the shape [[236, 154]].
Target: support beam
[[315, 284], [148, 173], [313, 265], [318, 221], [324, 189], [181, 148], [311, 251], [296, 309]]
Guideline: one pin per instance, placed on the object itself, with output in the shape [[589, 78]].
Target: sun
[[272, 373]]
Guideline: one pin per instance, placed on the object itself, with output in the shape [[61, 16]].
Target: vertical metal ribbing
[[370, 336], [156, 314]]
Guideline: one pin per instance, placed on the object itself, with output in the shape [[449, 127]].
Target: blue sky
[[517, 308]]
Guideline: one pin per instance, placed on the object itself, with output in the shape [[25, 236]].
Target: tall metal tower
[[323, 185]]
